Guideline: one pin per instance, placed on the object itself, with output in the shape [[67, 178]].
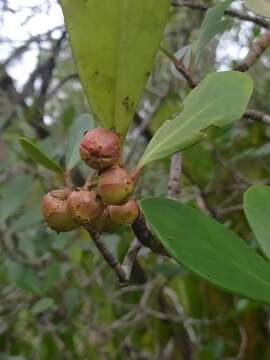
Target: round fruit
[[85, 206], [115, 186], [104, 223], [100, 148], [56, 212], [124, 214]]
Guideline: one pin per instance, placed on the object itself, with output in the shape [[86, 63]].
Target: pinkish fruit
[[124, 214], [85, 206], [104, 223], [56, 212], [100, 148], [115, 185]]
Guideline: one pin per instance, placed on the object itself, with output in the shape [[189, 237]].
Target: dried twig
[[175, 175], [197, 5], [257, 115], [108, 256], [144, 235], [181, 68], [256, 50], [130, 257]]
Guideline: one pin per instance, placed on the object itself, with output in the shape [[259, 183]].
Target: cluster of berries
[[102, 204]]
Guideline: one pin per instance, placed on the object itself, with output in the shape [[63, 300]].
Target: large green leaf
[[220, 99], [114, 44], [257, 211], [213, 24], [208, 249], [39, 156], [75, 134], [260, 7]]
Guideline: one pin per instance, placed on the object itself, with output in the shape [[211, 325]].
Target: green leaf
[[28, 220], [208, 249], [71, 299], [38, 156], [24, 277], [220, 99], [14, 195], [257, 211], [52, 276], [75, 134], [211, 26], [42, 305], [114, 47], [260, 7]]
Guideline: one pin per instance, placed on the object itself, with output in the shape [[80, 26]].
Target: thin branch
[[130, 257], [175, 175], [108, 256], [258, 116], [181, 68], [256, 50], [197, 5], [144, 236], [123, 272]]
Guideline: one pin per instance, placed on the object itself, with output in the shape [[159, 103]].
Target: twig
[[130, 257], [175, 175], [256, 50], [257, 115], [196, 5], [144, 236], [108, 256], [181, 68]]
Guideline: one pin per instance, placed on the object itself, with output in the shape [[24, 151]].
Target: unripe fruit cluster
[[102, 205]]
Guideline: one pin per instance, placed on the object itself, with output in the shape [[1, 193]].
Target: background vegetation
[[58, 298]]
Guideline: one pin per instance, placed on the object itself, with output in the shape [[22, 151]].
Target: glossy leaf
[[257, 211], [220, 99], [75, 134], [212, 25], [14, 195], [208, 249], [260, 7], [114, 48], [39, 156]]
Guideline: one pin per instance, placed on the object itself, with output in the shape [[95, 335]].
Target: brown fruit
[[115, 186], [104, 223], [100, 148], [124, 214], [56, 212], [85, 206]]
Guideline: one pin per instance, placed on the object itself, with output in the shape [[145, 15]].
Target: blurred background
[[58, 298]]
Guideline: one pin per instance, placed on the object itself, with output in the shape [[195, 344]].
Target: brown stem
[[130, 257], [108, 256], [175, 175], [256, 50], [144, 236]]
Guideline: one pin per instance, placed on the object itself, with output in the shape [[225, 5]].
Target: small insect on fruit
[[56, 212]]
